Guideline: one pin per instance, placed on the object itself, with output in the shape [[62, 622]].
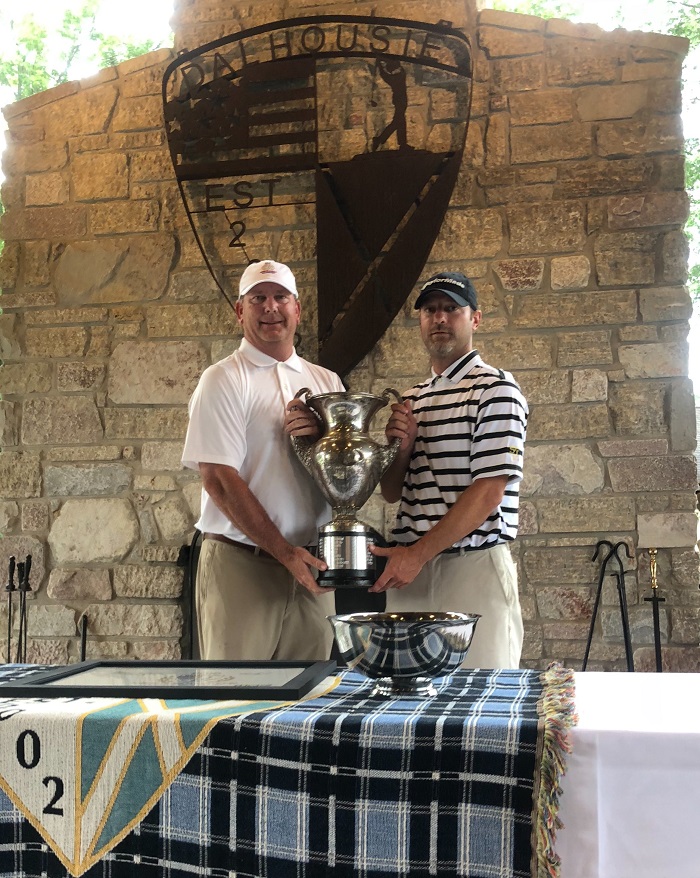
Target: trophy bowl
[[403, 652]]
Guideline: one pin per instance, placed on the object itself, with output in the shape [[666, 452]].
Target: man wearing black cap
[[457, 474]]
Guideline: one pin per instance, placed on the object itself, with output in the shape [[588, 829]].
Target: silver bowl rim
[[414, 617]]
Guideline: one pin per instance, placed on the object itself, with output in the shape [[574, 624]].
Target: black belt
[[255, 550]]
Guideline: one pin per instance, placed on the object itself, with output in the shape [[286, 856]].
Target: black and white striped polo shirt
[[471, 425]]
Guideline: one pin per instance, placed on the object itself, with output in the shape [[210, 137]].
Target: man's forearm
[[391, 483]]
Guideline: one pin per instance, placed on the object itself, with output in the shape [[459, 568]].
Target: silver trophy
[[346, 464]]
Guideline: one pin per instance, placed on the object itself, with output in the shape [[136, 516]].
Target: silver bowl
[[404, 651]]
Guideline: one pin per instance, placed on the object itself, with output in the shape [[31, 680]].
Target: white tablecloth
[[631, 794]]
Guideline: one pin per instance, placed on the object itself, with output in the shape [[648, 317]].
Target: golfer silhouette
[[395, 77]]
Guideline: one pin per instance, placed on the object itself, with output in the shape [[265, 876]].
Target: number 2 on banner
[[29, 756]]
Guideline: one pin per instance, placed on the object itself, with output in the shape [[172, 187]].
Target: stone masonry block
[[79, 584], [570, 272], [665, 303], [25, 378], [148, 581], [666, 529], [654, 360], [548, 106], [544, 387], [44, 223], [584, 349], [647, 474], [554, 143], [611, 101], [149, 372], [92, 479], [100, 176], [500, 43], [20, 475], [135, 423], [577, 62], [638, 408], [58, 341], [586, 514], [161, 456], [60, 420], [540, 228], [100, 530], [625, 258], [520, 274], [629, 138], [43, 189], [575, 309], [589, 385], [552, 470], [141, 620], [650, 209], [575, 421]]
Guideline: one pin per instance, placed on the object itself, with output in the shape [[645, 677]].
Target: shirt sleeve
[[216, 431], [498, 442]]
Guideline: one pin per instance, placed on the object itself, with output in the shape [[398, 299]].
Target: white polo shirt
[[237, 417]]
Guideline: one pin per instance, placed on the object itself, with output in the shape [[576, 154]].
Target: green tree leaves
[[41, 60]]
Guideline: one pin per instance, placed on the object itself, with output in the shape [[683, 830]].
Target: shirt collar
[[457, 370], [258, 358]]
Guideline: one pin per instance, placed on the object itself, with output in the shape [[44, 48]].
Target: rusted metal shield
[[353, 124]]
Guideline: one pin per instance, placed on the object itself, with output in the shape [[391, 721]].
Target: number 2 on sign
[[29, 756]]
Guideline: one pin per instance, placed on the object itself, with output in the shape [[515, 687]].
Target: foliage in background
[[41, 60], [685, 22]]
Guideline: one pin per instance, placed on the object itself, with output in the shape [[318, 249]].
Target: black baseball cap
[[453, 284]]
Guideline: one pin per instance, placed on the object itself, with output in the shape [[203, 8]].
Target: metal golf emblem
[[354, 124]]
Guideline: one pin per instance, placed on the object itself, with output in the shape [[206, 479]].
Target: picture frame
[[175, 680]]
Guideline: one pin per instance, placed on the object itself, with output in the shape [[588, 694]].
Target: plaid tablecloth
[[461, 784]]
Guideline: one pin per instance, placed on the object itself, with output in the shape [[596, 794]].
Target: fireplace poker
[[23, 586], [10, 589], [622, 594], [620, 577], [599, 591], [20, 579], [655, 600], [83, 636]]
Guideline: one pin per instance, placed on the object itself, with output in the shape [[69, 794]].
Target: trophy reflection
[[346, 464]]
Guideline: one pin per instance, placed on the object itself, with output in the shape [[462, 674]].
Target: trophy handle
[[387, 392], [302, 446]]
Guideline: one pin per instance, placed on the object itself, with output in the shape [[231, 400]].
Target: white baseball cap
[[267, 271]]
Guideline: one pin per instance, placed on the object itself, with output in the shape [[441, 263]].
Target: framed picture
[[205, 680]]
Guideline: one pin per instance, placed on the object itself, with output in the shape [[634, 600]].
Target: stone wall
[[568, 214]]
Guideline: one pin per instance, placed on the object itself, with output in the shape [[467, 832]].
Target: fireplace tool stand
[[619, 575], [23, 570]]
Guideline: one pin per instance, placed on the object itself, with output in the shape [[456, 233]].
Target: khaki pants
[[482, 581], [250, 608]]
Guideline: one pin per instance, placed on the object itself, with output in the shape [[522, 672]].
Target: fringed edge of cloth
[[557, 714]]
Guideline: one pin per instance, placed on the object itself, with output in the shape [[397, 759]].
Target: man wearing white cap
[[457, 474], [257, 598]]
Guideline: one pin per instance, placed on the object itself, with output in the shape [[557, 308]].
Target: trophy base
[[346, 552], [346, 579]]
